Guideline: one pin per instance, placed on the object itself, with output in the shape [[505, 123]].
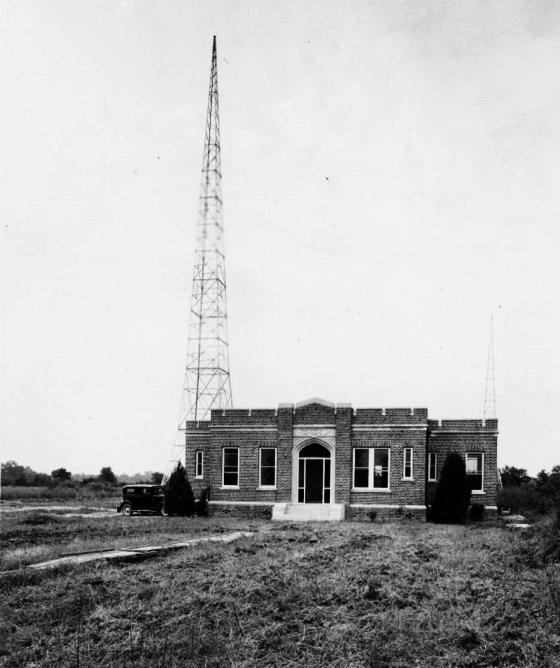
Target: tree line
[[523, 493], [14, 474]]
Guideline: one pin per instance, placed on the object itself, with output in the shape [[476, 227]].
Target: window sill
[[266, 489], [229, 487], [199, 477], [478, 492], [407, 480], [379, 490]]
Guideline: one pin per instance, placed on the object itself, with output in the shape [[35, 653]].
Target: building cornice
[[389, 427]]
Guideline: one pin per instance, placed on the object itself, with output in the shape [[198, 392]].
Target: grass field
[[344, 595]]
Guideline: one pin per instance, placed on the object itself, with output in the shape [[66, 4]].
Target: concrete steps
[[308, 512]]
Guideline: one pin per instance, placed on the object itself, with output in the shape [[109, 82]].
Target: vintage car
[[142, 499]]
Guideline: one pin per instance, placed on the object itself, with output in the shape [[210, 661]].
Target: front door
[[314, 480], [314, 475]]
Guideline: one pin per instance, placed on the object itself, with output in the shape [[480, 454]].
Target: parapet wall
[[246, 416], [463, 425], [390, 416]]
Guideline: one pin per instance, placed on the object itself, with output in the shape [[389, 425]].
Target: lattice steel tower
[[490, 391], [207, 382]]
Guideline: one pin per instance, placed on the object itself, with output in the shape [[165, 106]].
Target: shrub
[[179, 497], [476, 512], [201, 506], [453, 492]]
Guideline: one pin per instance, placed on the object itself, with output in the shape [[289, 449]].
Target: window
[[474, 462], [407, 464], [230, 477], [199, 465], [432, 466], [371, 468], [267, 467]]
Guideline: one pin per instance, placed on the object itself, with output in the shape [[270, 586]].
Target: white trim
[[224, 486], [476, 452], [275, 467], [480, 432], [232, 427], [242, 503], [266, 489], [411, 476], [296, 449], [432, 452], [389, 427], [388, 505], [371, 470], [201, 453], [372, 490]]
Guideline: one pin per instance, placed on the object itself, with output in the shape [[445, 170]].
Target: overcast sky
[[390, 181]]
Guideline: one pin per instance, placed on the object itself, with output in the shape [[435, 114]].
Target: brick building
[[318, 460]]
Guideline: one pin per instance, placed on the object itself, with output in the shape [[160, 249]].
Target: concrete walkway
[[132, 553]]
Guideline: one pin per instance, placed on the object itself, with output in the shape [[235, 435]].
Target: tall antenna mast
[[490, 392], [207, 382]]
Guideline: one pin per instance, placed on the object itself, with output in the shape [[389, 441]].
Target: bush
[[201, 506], [527, 499], [179, 497], [476, 512], [453, 492]]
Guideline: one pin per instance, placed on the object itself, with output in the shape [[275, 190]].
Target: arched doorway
[[314, 474]]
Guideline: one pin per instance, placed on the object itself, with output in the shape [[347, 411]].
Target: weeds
[[347, 595]]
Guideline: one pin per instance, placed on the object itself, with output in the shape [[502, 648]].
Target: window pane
[[476, 482], [268, 457], [361, 478], [381, 458], [300, 495], [381, 480], [327, 481], [268, 477], [315, 450], [431, 465], [327, 496], [230, 478], [361, 458], [474, 463], [301, 472], [230, 457]]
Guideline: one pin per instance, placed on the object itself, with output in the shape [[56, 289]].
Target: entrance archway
[[314, 474]]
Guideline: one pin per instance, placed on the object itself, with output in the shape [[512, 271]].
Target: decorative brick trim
[[237, 428], [390, 427]]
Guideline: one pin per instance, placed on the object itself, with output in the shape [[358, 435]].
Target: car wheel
[[164, 512], [126, 509]]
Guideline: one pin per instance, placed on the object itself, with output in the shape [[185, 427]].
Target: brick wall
[[402, 492], [396, 429], [465, 436]]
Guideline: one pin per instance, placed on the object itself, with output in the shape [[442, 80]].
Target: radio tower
[[207, 382], [490, 392]]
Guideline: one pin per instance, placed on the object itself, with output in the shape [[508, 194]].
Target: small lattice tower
[[207, 381], [490, 391]]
